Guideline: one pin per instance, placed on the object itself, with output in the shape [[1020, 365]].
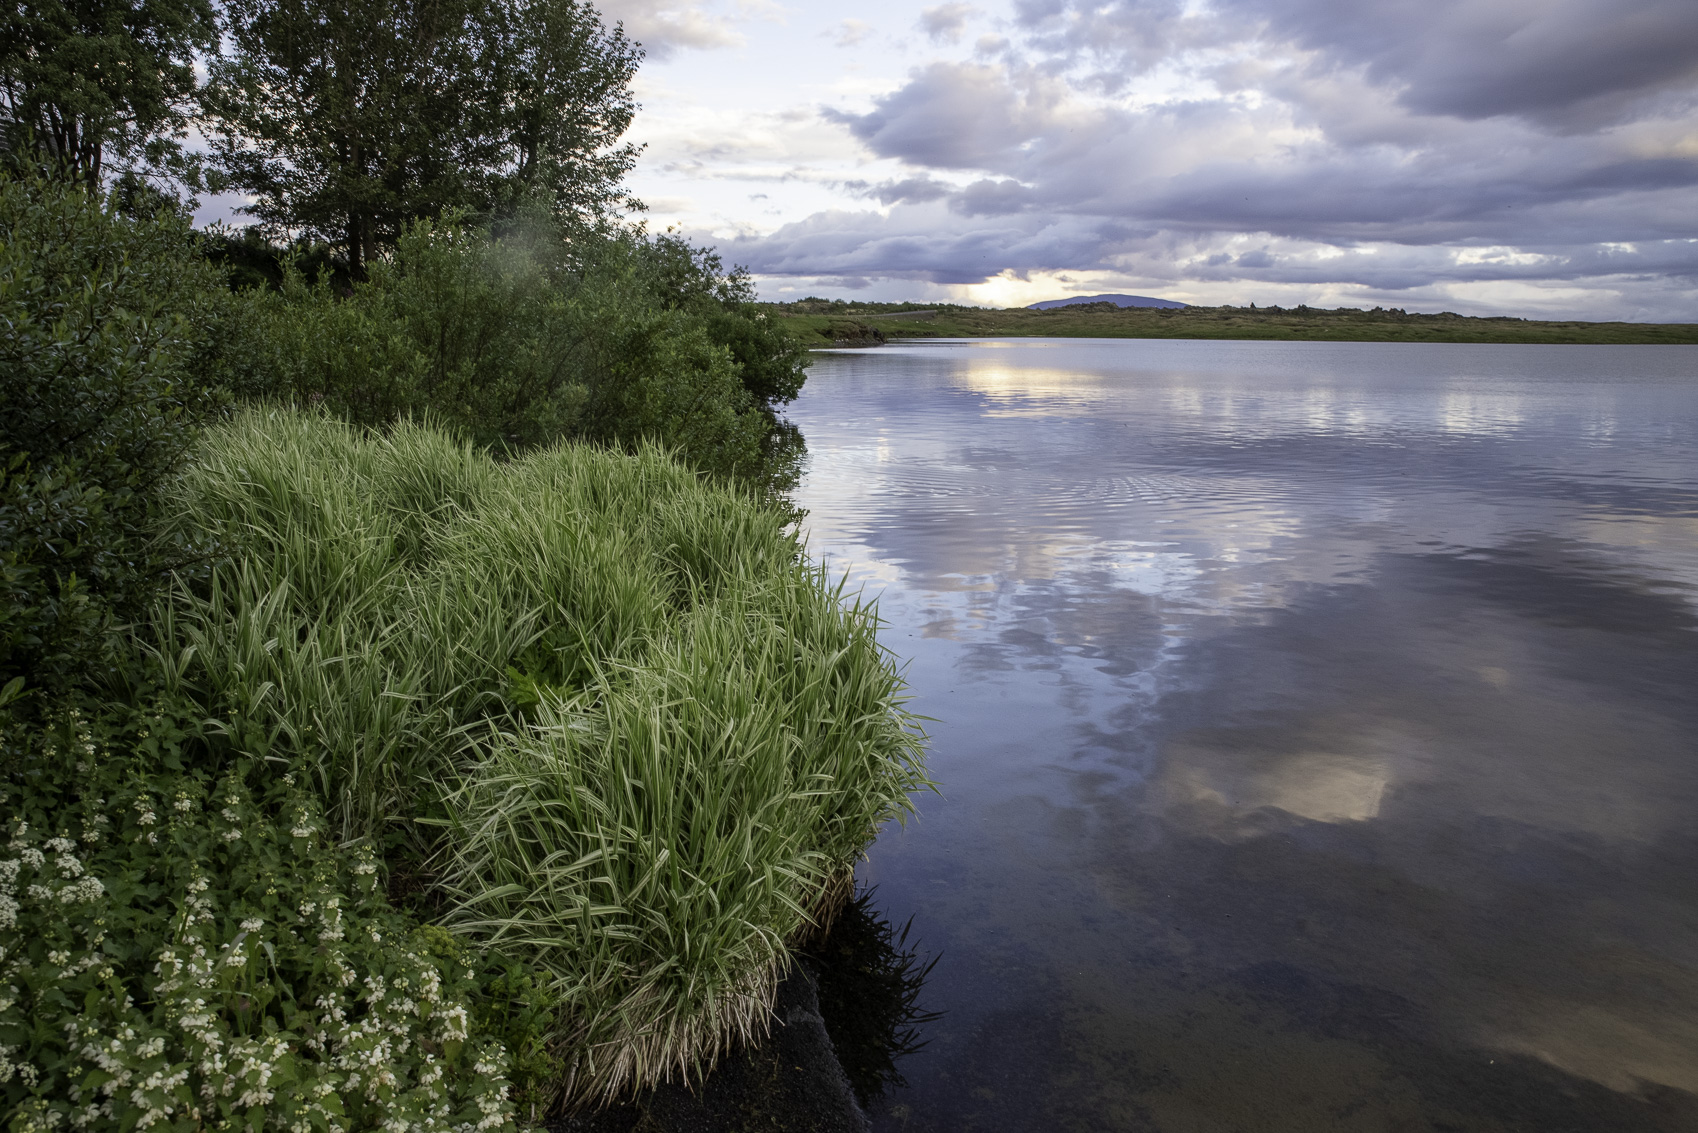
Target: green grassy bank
[[824, 323]]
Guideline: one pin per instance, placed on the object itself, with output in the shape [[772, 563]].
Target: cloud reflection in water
[[1325, 706]]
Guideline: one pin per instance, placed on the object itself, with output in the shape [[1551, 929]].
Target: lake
[[1315, 726]]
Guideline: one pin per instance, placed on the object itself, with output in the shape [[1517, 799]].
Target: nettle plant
[[183, 949]]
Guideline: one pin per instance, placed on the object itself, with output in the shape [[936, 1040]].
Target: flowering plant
[[181, 948]]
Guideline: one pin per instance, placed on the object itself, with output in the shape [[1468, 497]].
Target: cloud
[[850, 33], [1562, 63], [910, 190], [663, 26], [1126, 38], [946, 22], [1321, 133], [1287, 147], [950, 115]]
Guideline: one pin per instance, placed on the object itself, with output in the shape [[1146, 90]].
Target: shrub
[[519, 341], [678, 275], [106, 325]]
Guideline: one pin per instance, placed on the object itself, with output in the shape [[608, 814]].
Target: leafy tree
[[347, 120], [83, 81], [561, 82]]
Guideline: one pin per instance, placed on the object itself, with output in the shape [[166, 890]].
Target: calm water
[[1316, 727]]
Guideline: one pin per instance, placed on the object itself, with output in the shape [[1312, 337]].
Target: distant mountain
[[1117, 300]]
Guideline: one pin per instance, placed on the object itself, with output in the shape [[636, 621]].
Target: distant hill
[[1117, 300]]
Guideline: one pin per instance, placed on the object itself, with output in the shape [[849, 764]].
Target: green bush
[[636, 736], [105, 346], [676, 274], [522, 340]]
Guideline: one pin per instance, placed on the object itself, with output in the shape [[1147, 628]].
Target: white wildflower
[[452, 1026], [88, 889]]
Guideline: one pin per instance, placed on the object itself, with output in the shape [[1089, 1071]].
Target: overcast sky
[[1525, 157]]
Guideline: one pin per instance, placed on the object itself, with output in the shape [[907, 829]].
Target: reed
[[638, 737]]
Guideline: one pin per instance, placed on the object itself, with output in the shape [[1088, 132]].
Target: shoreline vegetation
[[826, 323], [417, 709]]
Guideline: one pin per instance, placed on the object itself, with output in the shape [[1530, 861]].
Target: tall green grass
[[637, 740]]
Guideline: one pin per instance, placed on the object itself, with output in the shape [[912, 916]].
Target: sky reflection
[[1319, 708]]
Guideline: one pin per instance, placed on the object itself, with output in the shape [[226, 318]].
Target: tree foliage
[[82, 81], [346, 120]]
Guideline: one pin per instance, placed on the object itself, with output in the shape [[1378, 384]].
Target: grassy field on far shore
[[821, 322]]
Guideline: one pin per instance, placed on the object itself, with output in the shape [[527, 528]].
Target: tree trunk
[[356, 248]]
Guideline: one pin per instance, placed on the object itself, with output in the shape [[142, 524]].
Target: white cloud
[[850, 33], [664, 26]]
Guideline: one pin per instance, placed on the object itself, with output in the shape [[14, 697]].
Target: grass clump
[[627, 736]]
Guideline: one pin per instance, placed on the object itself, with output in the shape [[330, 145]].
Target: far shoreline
[[828, 324]]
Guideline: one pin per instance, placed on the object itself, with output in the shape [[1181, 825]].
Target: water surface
[[1316, 726]]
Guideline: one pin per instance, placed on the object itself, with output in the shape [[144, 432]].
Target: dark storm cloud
[[1559, 62]]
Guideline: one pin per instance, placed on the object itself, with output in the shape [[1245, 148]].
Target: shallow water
[[1316, 726]]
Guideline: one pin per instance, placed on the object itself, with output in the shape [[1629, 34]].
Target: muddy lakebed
[[1315, 726]]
